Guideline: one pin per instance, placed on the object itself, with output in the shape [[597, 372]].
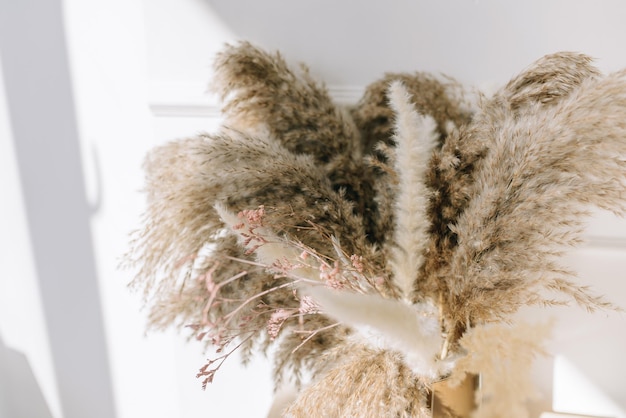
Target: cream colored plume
[[415, 136], [411, 330]]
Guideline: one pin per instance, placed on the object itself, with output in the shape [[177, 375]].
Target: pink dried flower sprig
[[345, 272], [254, 220], [276, 321], [213, 365]]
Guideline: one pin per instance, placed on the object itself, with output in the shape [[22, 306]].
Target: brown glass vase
[[458, 401]]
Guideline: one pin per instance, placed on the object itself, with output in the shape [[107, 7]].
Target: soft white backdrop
[[138, 72]]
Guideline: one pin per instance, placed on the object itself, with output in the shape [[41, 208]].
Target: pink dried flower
[[332, 278], [253, 216], [207, 373], [217, 339], [357, 262], [276, 321], [308, 306]]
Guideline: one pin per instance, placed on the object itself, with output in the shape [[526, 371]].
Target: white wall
[[353, 42]]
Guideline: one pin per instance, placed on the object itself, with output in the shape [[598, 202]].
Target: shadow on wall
[[42, 114], [20, 395]]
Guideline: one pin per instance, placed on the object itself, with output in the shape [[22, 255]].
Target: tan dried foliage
[[503, 193], [362, 382]]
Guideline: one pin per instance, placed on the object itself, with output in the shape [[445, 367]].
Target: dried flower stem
[[210, 373], [313, 334], [214, 289], [230, 316]]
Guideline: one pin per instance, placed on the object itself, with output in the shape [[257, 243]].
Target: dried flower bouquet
[[384, 246]]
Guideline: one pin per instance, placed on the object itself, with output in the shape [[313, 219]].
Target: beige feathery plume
[[529, 199], [549, 79], [260, 91], [502, 354], [415, 137], [363, 382], [262, 94]]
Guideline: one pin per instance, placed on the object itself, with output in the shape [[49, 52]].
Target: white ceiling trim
[[591, 240], [193, 100]]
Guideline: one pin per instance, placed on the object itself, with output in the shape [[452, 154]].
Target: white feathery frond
[[415, 137], [412, 330]]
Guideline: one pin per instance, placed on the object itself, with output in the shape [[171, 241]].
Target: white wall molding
[[346, 95], [182, 99], [599, 241], [193, 100], [605, 230]]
